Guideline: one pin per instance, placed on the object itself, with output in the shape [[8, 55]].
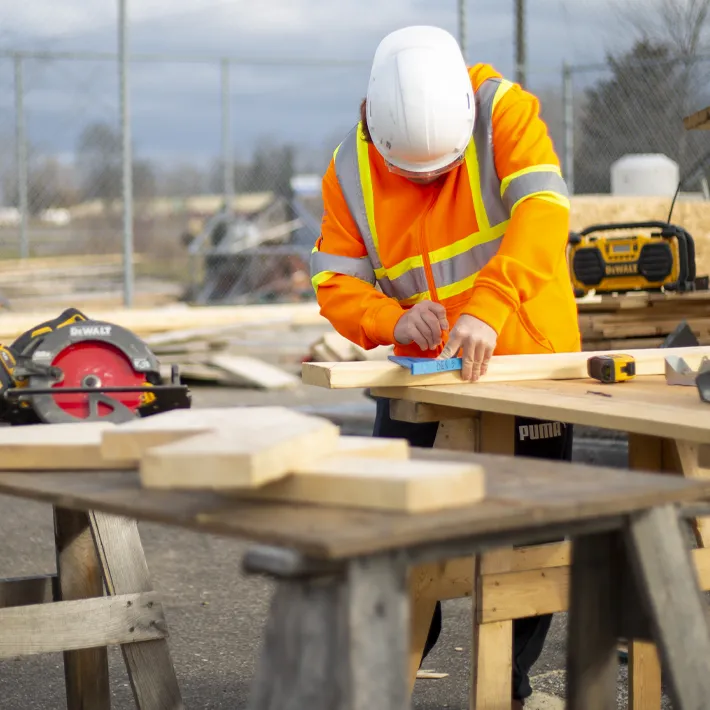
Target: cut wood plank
[[57, 447], [252, 372], [369, 446], [502, 368], [241, 452], [131, 440], [379, 484]]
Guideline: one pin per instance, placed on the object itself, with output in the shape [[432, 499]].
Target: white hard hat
[[420, 108]]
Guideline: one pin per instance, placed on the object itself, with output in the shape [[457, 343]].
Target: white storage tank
[[645, 175]]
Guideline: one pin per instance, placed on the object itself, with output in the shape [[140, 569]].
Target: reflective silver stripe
[[348, 173], [360, 268], [483, 138], [530, 183], [405, 286], [461, 266]]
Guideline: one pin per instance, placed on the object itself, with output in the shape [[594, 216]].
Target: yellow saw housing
[[663, 260]]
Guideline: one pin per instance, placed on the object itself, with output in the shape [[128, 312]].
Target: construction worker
[[444, 231]]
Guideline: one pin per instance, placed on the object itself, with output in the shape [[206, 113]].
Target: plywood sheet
[[645, 405], [502, 368]]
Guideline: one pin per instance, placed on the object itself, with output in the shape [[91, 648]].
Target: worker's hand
[[423, 324], [478, 341]]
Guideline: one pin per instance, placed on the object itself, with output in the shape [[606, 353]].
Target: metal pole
[[227, 153], [520, 49], [126, 154], [21, 156], [462, 26], [568, 104]]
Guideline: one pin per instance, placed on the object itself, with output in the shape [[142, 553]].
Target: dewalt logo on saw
[[83, 331]]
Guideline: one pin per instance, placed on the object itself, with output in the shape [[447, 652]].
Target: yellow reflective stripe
[[553, 197], [474, 181], [380, 273], [527, 171], [321, 278], [335, 152], [397, 270], [467, 243], [415, 299], [457, 288], [502, 90], [363, 159]]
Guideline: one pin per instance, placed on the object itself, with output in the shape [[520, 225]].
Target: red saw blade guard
[[96, 364]]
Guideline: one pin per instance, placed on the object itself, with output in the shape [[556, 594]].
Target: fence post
[[462, 26], [568, 105], [21, 155], [227, 154], [126, 155]]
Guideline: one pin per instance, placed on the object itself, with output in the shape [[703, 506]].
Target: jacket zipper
[[424, 250]]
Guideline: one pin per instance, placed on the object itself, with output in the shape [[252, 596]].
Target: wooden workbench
[[337, 634], [666, 425]]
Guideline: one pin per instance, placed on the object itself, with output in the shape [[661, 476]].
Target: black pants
[[536, 439]]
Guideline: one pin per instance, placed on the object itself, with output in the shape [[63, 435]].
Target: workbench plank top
[[522, 495], [644, 405]]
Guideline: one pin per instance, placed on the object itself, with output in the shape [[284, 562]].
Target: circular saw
[[75, 369]]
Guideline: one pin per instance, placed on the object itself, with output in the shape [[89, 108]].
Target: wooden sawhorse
[[101, 595], [532, 580]]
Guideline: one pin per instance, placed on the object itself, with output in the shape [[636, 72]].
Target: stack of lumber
[[641, 320], [259, 346], [94, 279], [333, 347], [262, 453]]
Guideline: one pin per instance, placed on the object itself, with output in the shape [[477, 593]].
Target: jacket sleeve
[[343, 278], [534, 191]]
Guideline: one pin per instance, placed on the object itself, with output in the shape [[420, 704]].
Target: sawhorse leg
[[663, 603], [650, 453], [491, 649], [92, 547]]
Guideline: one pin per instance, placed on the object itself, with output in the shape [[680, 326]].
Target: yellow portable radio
[[663, 260]]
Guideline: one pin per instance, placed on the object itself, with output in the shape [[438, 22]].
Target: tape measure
[[611, 368]]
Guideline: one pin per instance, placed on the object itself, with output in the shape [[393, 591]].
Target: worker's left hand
[[477, 339]]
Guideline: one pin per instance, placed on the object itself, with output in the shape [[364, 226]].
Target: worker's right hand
[[423, 324]]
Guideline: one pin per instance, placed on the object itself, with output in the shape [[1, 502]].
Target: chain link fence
[[633, 105], [231, 215]]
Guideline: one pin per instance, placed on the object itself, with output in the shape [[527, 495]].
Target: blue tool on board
[[427, 365]]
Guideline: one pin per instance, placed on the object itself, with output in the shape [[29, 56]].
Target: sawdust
[[691, 214]]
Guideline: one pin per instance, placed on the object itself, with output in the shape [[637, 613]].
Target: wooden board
[[645, 405], [175, 317], [700, 120], [253, 372], [502, 368], [380, 484], [518, 498], [222, 447], [68, 447]]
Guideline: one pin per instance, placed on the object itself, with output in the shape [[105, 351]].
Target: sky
[[175, 106]]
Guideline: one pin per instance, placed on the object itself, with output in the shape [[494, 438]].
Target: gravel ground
[[215, 615]]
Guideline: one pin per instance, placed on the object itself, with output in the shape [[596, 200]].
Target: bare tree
[[683, 26]]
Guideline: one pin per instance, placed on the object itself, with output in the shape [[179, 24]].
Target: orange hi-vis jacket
[[487, 239]]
